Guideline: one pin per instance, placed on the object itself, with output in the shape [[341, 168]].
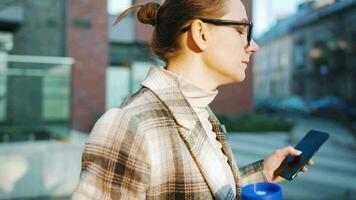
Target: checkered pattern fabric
[[142, 151]]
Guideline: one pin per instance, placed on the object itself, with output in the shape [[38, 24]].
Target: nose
[[252, 48]]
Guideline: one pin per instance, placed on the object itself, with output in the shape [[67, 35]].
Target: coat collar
[[167, 89], [192, 132]]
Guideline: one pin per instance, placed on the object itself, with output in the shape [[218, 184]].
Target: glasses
[[220, 22]]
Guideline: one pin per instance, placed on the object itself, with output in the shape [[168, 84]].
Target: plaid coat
[[142, 151]]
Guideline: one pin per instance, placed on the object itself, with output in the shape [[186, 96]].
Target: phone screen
[[310, 143]]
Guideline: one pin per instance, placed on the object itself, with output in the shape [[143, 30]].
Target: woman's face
[[227, 54]]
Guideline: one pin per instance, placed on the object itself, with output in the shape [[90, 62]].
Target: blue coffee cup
[[261, 191]]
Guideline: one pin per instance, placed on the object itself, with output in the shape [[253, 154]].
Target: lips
[[246, 62]]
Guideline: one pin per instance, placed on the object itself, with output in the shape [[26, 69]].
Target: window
[[299, 54], [353, 43], [283, 59], [117, 6]]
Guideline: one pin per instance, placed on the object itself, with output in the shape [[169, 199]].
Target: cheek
[[229, 47], [227, 51], [239, 47], [233, 45]]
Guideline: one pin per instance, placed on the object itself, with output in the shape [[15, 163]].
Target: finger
[[290, 151], [304, 169], [310, 162]]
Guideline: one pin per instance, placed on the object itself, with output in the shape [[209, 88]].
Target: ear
[[199, 34]]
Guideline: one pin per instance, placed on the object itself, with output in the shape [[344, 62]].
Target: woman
[[165, 142]]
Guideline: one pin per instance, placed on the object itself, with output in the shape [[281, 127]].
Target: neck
[[196, 72]]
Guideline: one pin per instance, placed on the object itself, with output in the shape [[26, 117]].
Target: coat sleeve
[[252, 173], [114, 163]]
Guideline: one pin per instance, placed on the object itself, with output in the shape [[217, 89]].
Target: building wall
[[332, 72], [37, 33], [40, 33], [87, 40], [122, 32], [273, 69], [321, 55]]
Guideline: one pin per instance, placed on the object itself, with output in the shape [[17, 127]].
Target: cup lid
[[263, 189]]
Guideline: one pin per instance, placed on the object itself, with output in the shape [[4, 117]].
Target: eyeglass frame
[[221, 22]]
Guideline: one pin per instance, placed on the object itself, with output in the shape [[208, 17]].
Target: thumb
[[291, 151]]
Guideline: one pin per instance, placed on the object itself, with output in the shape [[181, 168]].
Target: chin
[[239, 77], [234, 79], [232, 76], [239, 80]]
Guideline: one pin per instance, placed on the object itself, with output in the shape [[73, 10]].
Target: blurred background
[[62, 64]]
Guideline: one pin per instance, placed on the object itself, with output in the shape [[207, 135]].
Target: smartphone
[[310, 143]]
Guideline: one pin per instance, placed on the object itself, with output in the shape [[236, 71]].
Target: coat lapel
[[221, 132], [207, 161], [192, 132]]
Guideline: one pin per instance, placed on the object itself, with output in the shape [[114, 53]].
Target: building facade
[[65, 29], [273, 69], [87, 41], [320, 53], [34, 74]]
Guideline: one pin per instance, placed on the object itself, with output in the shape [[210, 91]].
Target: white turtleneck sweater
[[199, 99]]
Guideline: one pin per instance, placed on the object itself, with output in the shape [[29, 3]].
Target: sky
[[265, 12]]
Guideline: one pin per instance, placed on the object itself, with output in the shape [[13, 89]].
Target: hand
[[272, 162]]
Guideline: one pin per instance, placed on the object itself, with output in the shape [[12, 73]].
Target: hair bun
[[148, 13]]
